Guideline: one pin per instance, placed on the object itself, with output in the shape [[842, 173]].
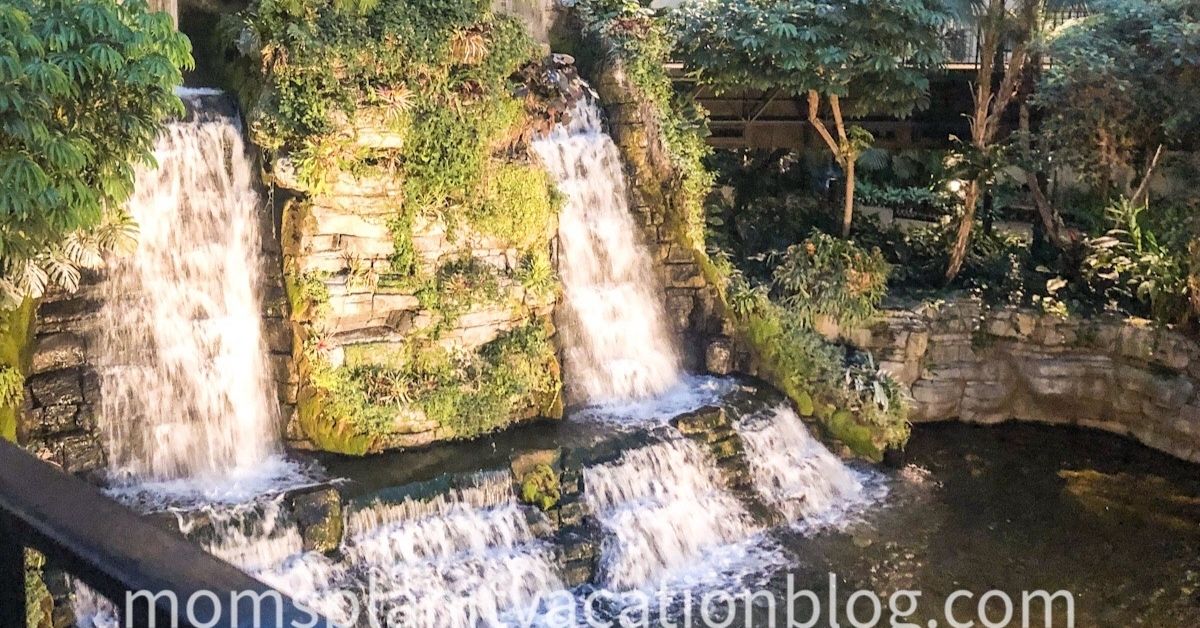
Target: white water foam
[[615, 338], [796, 474], [669, 519], [466, 558], [689, 393], [188, 412]]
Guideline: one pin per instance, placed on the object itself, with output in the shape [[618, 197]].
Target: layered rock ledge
[[963, 360]]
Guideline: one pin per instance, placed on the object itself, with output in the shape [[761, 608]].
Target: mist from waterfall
[[187, 392], [616, 342]]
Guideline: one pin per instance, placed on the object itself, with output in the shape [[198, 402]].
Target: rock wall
[[340, 241], [963, 361], [62, 391], [693, 305]]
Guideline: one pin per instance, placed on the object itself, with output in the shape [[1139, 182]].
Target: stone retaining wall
[[963, 361]]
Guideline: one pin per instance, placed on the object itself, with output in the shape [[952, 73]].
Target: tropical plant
[[1128, 266], [85, 86], [861, 56], [824, 276], [1124, 89]]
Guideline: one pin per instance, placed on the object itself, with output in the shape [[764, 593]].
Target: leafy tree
[[1123, 89], [861, 56], [1001, 29], [84, 88]]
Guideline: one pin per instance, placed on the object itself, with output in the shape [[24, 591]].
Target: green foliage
[[914, 200], [1129, 267], [518, 206], [448, 149], [38, 602], [818, 375], [540, 487], [458, 285], [828, 277], [16, 346], [306, 61], [466, 394], [84, 88], [878, 52], [537, 274], [1123, 82]]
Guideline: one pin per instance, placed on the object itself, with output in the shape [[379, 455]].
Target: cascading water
[[615, 339], [664, 509], [185, 379], [462, 559], [794, 472]]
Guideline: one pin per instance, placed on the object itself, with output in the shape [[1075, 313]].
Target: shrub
[[1130, 268], [858, 404], [824, 276]]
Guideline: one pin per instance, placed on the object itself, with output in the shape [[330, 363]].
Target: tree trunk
[[848, 209], [963, 237]]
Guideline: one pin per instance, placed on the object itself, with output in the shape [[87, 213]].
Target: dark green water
[[1020, 508]]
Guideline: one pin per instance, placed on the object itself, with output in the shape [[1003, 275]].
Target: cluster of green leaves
[[827, 277], [85, 86], [1128, 267], [877, 51], [916, 200], [857, 403], [459, 284], [1124, 81], [637, 39], [466, 393]]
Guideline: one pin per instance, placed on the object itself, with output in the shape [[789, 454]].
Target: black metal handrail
[[115, 552]]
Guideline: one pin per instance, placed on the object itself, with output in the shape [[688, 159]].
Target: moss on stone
[[540, 487], [842, 426], [16, 352]]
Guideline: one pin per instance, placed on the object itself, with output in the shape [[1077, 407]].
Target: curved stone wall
[[963, 360]]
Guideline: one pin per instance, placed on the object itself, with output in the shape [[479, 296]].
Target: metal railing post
[[12, 577]]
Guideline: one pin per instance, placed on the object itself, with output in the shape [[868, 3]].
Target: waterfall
[[794, 472], [186, 384], [664, 509], [617, 345], [465, 558]]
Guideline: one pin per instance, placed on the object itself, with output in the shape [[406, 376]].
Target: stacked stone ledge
[[963, 361]]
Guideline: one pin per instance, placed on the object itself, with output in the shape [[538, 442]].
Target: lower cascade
[[186, 383], [663, 507], [793, 471], [615, 339], [462, 559]]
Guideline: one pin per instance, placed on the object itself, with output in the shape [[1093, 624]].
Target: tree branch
[[814, 105], [1142, 193]]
